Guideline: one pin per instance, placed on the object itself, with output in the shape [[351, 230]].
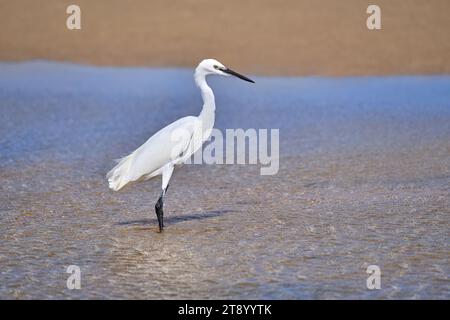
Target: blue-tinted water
[[364, 179]]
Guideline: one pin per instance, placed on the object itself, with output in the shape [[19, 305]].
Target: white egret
[[173, 144]]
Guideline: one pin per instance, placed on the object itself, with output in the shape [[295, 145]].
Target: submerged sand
[[364, 180]]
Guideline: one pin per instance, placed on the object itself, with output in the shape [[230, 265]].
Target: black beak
[[240, 76]]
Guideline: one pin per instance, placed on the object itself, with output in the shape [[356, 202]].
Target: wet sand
[[292, 37], [364, 179]]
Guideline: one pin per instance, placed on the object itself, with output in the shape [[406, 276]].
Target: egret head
[[212, 66]]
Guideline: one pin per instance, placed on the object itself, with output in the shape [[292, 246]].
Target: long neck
[[209, 105]]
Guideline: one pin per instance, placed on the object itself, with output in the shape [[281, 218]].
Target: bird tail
[[118, 176]]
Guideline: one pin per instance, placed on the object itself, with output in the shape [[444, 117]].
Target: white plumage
[[168, 147], [173, 144]]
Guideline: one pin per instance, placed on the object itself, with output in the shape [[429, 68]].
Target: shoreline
[[191, 69]]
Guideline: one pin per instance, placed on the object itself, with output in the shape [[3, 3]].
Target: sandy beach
[[293, 37]]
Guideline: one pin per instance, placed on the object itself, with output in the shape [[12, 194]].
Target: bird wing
[[168, 145]]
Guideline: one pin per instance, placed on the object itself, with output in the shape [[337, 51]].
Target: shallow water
[[364, 179]]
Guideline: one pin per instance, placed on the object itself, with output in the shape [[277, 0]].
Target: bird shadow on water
[[176, 219]]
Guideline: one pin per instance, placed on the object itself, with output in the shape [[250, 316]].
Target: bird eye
[[216, 66]]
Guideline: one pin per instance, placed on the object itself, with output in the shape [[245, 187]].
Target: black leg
[[159, 209], [159, 212]]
